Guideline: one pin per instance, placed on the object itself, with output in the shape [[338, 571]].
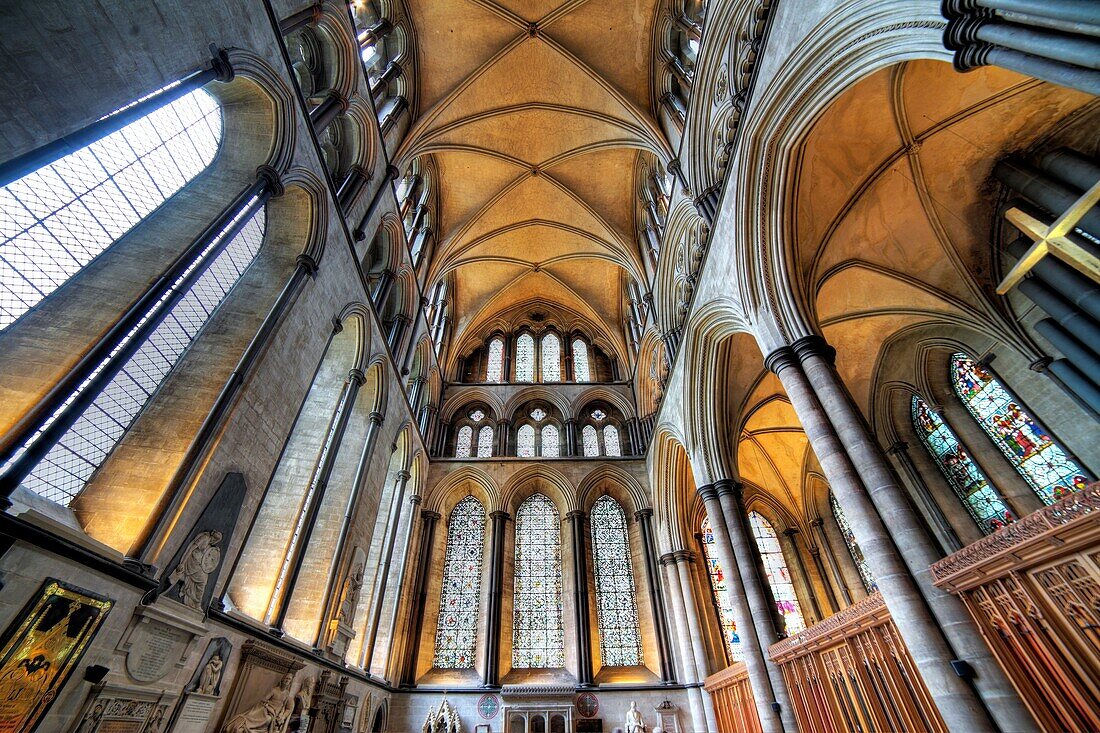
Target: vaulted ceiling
[[535, 112]]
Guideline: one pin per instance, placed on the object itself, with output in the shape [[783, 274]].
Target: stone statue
[[349, 597], [211, 675], [269, 715], [199, 560], [634, 722]]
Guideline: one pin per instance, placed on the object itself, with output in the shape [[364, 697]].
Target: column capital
[[791, 532], [898, 447], [376, 417], [726, 486], [677, 556], [502, 515], [356, 375], [308, 263], [577, 514], [429, 516], [272, 178], [817, 522], [404, 475], [415, 499], [706, 492], [643, 514], [780, 359], [814, 345]]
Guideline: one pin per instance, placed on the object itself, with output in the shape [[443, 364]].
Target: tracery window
[[57, 219], [589, 442], [538, 635], [525, 441], [65, 469], [582, 371], [616, 600], [494, 371], [551, 445], [865, 573], [1034, 454], [551, 357], [485, 442], [464, 441], [721, 593], [779, 577], [460, 597], [611, 441], [525, 358], [984, 502]]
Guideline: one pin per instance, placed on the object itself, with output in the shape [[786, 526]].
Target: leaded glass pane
[[525, 441], [1042, 463], [611, 441], [485, 442], [464, 441], [550, 442], [538, 637], [965, 478], [775, 567], [865, 573], [460, 597], [581, 368], [616, 601], [83, 448], [722, 601], [538, 414], [494, 371], [57, 219], [477, 415], [525, 358], [551, 358], [589, 442]]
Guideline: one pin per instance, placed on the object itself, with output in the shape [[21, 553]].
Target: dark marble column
[[420, 599], [580, 598], [644, 517], [496, 581]]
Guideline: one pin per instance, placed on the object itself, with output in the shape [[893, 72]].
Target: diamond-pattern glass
[[538, 636], [464, 441], [611, 445], [984, 502], [68, 466], [485, 442], [721, 593], [1041, 461], [865, 573], [525, 358], [551, 445], [494, 371], [525, 441], [582, 371], [551, 358], [589, 443], [775, 568], [57, 219], [616, 600], [460, 597]]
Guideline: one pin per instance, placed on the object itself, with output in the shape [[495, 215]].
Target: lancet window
[[599, 435], [1031, 450], [474, 434], [536, 356], [525, 358], [722, 602], [538, 434], [849, 536], [551, 357], [982, 501], [616, 599], [494, 370], [538, 634], [460, 597], [779, 577], [582, 371]]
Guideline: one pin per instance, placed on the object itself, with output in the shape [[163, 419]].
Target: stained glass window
[[70, 463], [464, 441], [551, 358], [616, 601], [57, 219], [494, 371], [611, 441], [485, 442], [525, 358], [589, 443], [1042, 463], [775, 567], [525, 441], [538, 637], [865, 573], [550, 444], [538, 414], [460, 597], [965, 478], [721, 593], [581, 368]]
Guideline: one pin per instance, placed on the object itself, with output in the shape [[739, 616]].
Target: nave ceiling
[[535, 114]]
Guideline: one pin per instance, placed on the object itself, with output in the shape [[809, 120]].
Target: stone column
[[571, 437], [827, 579], [393, 670], [496, 581], [686, 631], [753, 605], [384, 570], [580, 599], [644, 517], [504, 428], [940, 524], [420, 597], [791, 533], [958, 704]]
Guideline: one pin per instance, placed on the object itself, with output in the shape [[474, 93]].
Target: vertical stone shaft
[[420, 597], [644, 517], [580, 600], [691, 672], [496, 581], [384, 570]]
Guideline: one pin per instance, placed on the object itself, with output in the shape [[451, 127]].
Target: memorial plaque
[[590, 725], [117, 709], [41, 648], [155, 649], [194, 713]]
